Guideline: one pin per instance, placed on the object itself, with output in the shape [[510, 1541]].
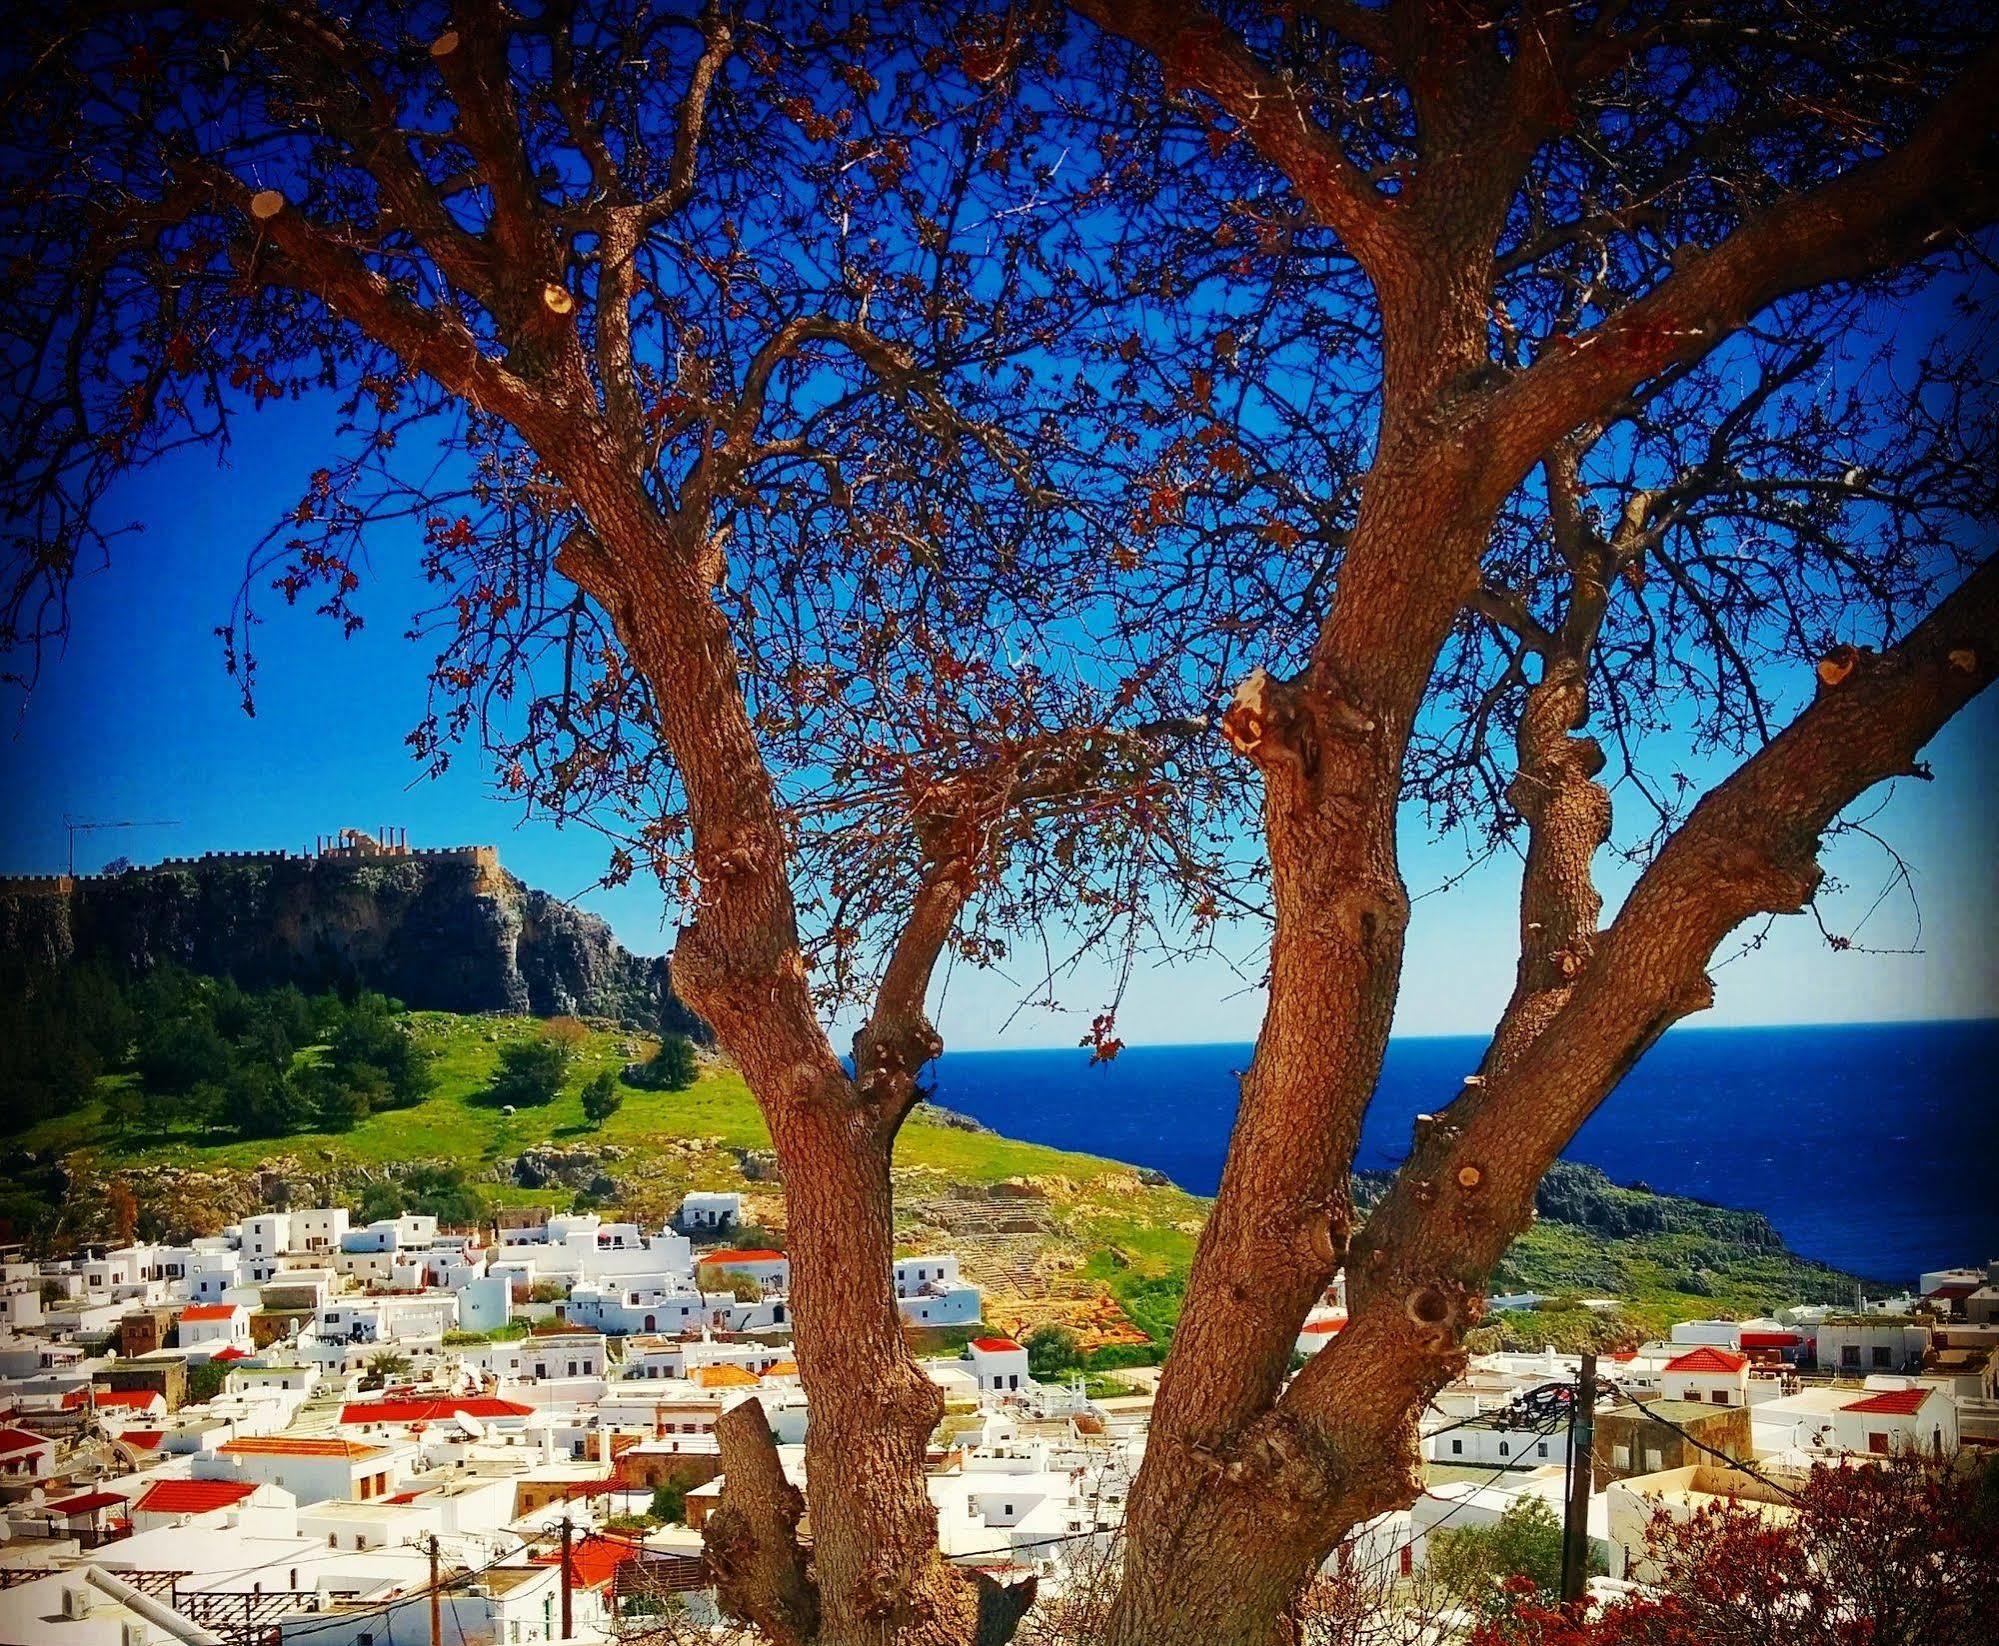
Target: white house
[[318, 1228], [564, 1355], [710, 1211], [311, 1467], [999, 1363], [206, 1329], [184, 1502], [1719, 1377], [930, 1292], [1852, 1344], [1918, 1417], [620, 1308]]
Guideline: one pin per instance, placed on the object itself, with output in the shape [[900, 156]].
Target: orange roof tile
[[210, 1311], [1707, 1359], [995, 1345], [299, 1446], [1891, 1403], [191, 1497], [724, 1377], [757, 1254]]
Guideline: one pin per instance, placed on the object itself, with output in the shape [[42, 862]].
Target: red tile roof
[[135, 1399], [1320, 1327], [431, 1411], [298, 1446], [593, 1560], [995, 1345], [210, 1311], [191, 1497], [144, 1439], [1707, 1359], [1771, 1340], [87, 1503], [232, 1353], [1891, 1403], [757, 1254], [19, 1440]]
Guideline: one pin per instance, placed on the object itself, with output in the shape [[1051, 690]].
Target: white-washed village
[[303, 1430]]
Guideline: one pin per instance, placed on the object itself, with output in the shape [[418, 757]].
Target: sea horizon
[[1854, 1139]]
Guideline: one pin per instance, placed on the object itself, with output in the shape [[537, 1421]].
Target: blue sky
[[136, 719]]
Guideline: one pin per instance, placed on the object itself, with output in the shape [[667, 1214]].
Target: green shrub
[[531, 1072], [601, 1098], [1051, 1351], [673, 1068]]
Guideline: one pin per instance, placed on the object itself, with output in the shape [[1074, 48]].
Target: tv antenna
[[75, 827]]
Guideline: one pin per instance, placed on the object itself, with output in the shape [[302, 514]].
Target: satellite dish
[[471, 1425]]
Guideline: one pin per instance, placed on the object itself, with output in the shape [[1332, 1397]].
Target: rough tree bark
[[1243, 1491]]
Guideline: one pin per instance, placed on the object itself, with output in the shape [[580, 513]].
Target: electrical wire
[[1699, 1444]]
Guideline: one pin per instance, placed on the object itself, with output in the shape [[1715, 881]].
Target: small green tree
[[1052, 1351], [177, 1054], [673, 1067], [531, 1071], [669, 1503], [259, 1102], [1470, 1562], [601, 1098]]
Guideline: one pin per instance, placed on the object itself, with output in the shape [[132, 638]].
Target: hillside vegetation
[[1054, 1236]]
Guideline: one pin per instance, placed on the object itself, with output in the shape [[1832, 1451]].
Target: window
[[1883, 1355], [1505, 1450], [1849, 1354], [1457, 1448], [1654, 1458], [1877, 1442], [1721, 1397], [1542, 1449]]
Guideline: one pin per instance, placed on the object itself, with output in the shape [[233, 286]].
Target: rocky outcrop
[[447, 931]]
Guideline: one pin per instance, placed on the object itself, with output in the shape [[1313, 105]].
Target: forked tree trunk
[[874, 1575]]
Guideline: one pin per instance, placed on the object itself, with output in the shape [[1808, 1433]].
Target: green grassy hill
[[1052, 1235]]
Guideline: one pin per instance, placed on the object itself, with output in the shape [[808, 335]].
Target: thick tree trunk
[[874, 1575]]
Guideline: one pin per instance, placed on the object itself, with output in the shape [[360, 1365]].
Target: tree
[[1051, 1351], [895, 471], [531, 1071], [123, 1208], [672, 1068], [1897, 1553], [1472, 1562], [1573, 462], [669, 1503], [383, 1368], [370, 1034], [180, 1053], [259, 1102], [601, 1098]]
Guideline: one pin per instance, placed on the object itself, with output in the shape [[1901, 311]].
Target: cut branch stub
[[266, 204]]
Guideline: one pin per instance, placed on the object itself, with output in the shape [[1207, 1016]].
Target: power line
[[1699, 1444]]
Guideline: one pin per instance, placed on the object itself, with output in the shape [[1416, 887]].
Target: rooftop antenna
[[75, 827]]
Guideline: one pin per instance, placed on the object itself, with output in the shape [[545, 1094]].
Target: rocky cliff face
[[445, 931]]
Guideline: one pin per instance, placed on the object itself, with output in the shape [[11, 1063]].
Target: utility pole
[[568, 1623], [1575, 1510], [436, 1598]]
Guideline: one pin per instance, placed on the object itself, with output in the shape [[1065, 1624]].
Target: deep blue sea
[[1873, 1147]]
